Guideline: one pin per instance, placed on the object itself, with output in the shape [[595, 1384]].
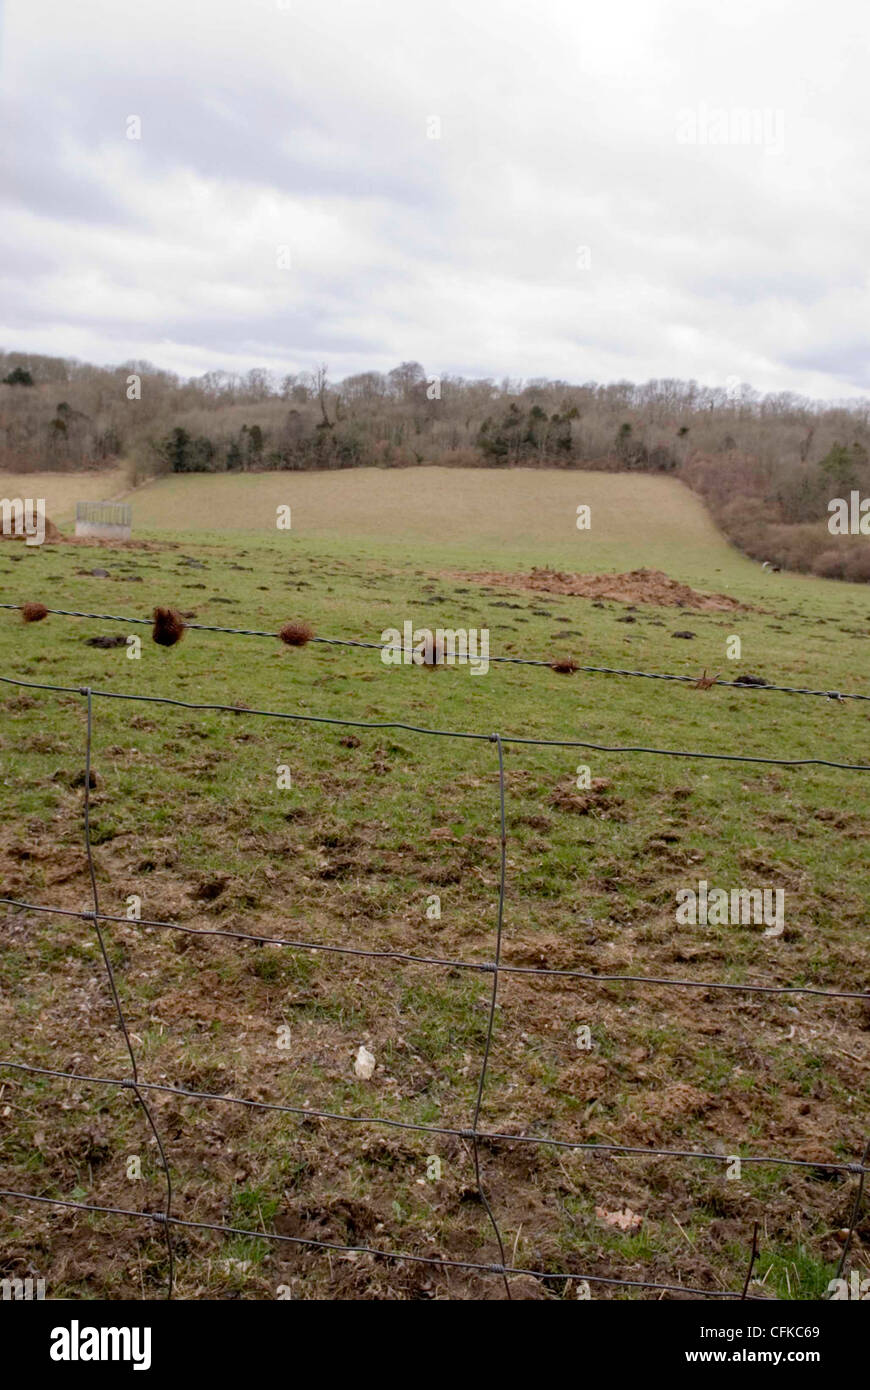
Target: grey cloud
[[558, 130]]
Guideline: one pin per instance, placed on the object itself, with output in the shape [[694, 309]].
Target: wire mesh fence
[[167, 1219]]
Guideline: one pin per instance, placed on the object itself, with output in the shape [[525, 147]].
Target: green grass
[[187, 805]]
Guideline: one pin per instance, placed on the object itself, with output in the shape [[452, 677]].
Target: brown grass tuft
[[439, 656], [296, 634], [33, 612], [705, 682], [168, 627]]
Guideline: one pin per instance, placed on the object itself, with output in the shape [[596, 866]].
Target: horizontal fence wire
[[489, 1136], [473, 1135], [397, 1255], [539, 972], [757, 687], [436, 733]]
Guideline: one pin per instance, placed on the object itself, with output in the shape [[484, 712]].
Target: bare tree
[[320, 378]]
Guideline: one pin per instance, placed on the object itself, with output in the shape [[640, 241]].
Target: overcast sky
[[625, 189]]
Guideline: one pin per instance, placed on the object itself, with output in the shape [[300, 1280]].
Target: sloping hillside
[[528, 516]]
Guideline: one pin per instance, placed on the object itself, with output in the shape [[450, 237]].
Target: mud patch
[[638, 586], [597, 801]]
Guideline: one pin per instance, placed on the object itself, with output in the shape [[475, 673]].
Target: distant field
[[187, 815], [62, 490], [471, 513]]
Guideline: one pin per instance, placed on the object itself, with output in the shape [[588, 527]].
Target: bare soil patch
[[638, 586]]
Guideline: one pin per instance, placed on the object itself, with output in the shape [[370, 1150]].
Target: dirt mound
[[640, 586], [51, 533], [99, 542]]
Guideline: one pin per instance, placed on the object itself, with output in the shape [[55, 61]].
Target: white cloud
[[305, 125]]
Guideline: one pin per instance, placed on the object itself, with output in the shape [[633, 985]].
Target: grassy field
[[187, 816], [61, 491], [494, 515]]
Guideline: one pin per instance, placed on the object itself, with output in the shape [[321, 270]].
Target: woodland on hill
[[766, 466]]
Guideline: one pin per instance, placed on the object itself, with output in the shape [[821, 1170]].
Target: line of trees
[[767, 466]]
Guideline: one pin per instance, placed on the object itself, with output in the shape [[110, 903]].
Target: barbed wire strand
[[505, 660], [501, 660]]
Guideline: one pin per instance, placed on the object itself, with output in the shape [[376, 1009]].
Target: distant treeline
[[766, 466]]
